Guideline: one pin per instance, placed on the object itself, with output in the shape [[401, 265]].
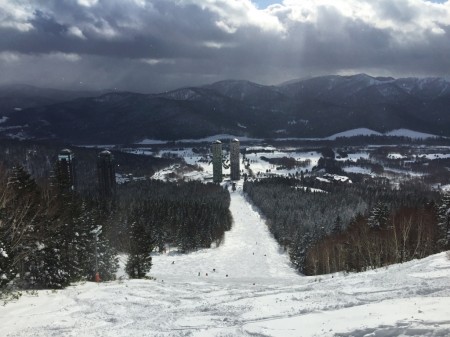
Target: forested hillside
[[39, 159], [51, 236], [187, 215], [316, 107], [352, 227]]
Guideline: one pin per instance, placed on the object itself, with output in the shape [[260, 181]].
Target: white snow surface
[[357, 169], [200, 140], [248, 254], [410, 134], [369, 132], [262, 296], [355, 132], [349, 133]]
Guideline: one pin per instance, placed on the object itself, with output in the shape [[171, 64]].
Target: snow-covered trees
[[337, 225], [335, 231], [45, 238], [379, 215], [299, 250], [410, 233], [288, 208], [20, 219], [444, 222], [7, 270], [189, 215], [141, 245]]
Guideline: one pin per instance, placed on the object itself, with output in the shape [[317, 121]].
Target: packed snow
[[249, 253], [262, 296]]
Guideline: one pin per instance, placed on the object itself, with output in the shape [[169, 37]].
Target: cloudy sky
[[157, 45]]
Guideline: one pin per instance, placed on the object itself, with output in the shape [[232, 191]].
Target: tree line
[[352, 227], [47, 235], [51, 236], [186, 216], [39, 157]]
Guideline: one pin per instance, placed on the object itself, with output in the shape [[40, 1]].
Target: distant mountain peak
[[314, 107]]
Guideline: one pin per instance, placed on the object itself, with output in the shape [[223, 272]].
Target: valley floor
[[261, 296]]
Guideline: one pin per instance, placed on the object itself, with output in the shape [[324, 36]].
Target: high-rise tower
[[65, 170], [106, 174], [217, 161], [234, 159]]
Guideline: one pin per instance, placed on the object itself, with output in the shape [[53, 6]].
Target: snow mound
[[410, 134], [354, 132], [199, 140], [394, 133]]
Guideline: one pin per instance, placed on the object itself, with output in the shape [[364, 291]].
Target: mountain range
[[316, 107]]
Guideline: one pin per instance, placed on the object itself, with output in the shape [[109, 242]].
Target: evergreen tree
[[443, 240], [20, 219], [7, 270], [337, 225], [45, 268], [299, 250], [21, 182], [140, 247], [379, 216], [91, 251], [107, 260]]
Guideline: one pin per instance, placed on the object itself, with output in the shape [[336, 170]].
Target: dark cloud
[[399, 10], [163, 44], [47, 24]]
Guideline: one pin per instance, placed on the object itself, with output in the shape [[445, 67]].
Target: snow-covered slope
[[262, 296], [394, 133], [248, 254], [410, 134], [200, 140], [355, 132]]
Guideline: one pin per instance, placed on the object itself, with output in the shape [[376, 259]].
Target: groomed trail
[[248, 253], [262, 296]]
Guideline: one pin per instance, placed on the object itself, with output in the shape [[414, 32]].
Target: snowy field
[[262, 296], [204, 169], [267, 160]]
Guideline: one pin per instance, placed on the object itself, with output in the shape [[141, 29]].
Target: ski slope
[[262, 296], [248, 254]]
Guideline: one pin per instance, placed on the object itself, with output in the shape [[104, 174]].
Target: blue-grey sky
[[157, 45], [265, 3]]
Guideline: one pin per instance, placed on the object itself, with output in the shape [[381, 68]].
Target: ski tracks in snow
[[248, 253], [262, 296]]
